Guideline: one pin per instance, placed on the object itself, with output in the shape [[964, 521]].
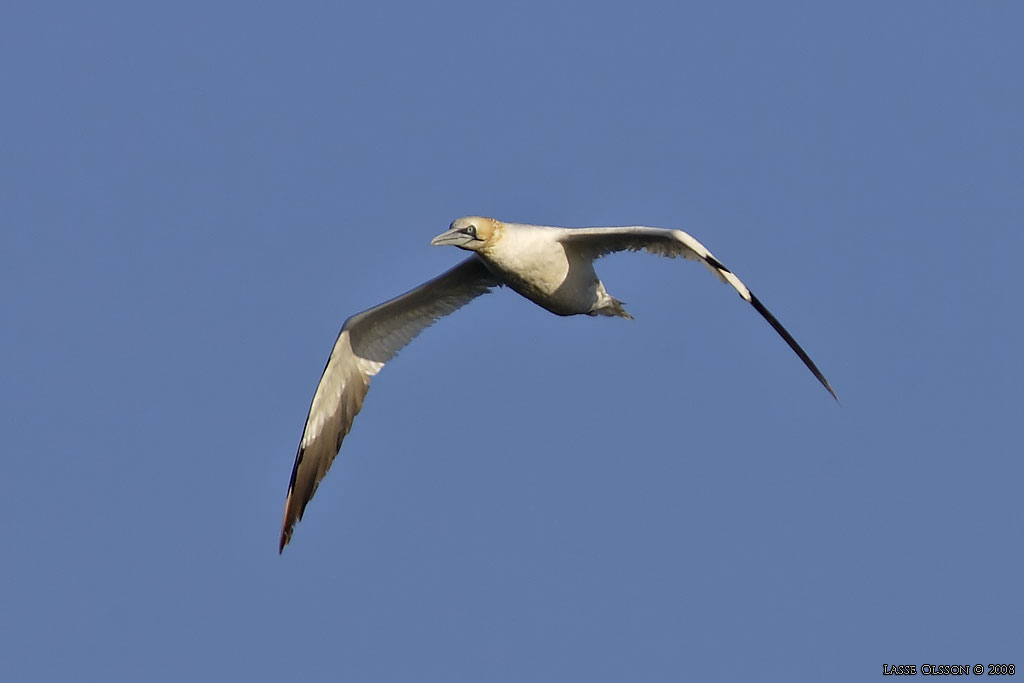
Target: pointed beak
[[452, 237]]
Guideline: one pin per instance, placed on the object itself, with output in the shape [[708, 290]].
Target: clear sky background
[[194, 197]]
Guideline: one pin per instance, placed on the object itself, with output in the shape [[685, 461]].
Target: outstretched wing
[[597, 242], [366, 342]]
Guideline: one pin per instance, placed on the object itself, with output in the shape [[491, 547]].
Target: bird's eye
[[471, 231]]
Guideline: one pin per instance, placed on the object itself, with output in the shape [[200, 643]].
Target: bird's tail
[[612, 307]]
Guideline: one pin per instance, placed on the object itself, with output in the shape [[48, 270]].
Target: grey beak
[[453, 237]]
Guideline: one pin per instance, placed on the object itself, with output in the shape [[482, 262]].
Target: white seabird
[[552, 267]]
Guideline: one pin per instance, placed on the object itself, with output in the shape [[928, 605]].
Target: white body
[[535, 263]]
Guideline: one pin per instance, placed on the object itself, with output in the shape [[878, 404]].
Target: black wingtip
[[784, 333], [286, 535]]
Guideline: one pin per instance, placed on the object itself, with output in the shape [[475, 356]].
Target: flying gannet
[[552, 267]]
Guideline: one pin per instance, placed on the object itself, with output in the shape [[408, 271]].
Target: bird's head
[[471, 233]]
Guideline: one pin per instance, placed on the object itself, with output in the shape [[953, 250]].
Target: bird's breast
[[539, 268]]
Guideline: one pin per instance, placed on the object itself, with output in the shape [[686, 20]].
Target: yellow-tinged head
[[472, 233]]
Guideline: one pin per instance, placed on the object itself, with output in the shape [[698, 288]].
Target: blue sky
[[195, 196]]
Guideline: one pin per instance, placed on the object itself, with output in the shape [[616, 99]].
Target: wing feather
[[365, 343], [598, 242]]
